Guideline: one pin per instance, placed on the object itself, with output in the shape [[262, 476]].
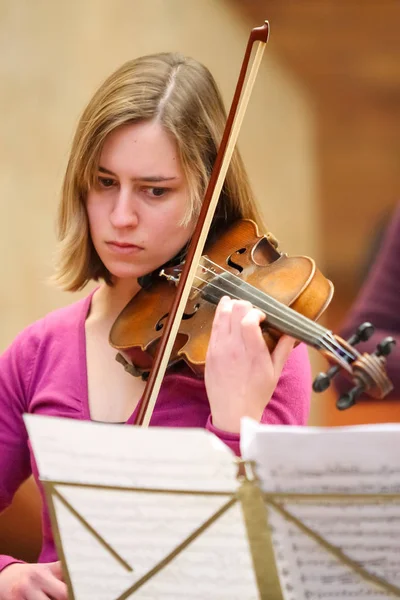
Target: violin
[[290, 291], [171, 321]]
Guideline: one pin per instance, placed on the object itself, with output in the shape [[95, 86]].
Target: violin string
[[250, 292], [324, 336], [279, 320], [316, 334], [275, 308], [327, 341]]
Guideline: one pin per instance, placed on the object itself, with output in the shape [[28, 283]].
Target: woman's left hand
[[241, 374]]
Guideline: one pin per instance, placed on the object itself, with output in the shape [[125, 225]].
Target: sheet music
[[143, 527], [362, 459]]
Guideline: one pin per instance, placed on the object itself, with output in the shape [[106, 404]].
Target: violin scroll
[[366, 370]]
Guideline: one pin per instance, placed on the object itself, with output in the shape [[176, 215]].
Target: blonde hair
[[182, 94]]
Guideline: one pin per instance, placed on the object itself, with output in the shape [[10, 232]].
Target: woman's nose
[[124, 212]]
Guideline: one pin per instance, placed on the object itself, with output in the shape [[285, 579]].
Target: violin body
[[295, 282]]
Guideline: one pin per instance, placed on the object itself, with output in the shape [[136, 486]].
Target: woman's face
[[140, 198]]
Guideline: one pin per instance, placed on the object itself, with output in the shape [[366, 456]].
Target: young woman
[[138, 169]]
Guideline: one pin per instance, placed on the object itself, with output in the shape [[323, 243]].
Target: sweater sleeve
[[378, 302], [15, 466], [290, 402]]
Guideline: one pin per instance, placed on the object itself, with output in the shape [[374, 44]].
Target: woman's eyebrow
[[149, 178]]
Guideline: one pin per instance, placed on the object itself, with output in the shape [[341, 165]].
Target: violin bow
[[234, 121]]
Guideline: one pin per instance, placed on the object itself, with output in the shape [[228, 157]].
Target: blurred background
[[320, 140]]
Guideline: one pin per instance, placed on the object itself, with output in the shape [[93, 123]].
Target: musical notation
[[342, 461], [126, 499]]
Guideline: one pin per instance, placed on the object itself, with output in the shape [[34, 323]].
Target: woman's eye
[[156, 192], [106, 182]]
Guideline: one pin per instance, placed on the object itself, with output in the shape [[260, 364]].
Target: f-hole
[[231, 261], [160, 323]]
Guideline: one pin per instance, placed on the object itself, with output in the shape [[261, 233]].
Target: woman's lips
[[122, 248]]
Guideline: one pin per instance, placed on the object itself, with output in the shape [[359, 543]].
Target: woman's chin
[[128, 272]]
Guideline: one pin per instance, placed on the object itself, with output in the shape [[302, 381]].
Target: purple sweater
[[44, 372], [379, 303]]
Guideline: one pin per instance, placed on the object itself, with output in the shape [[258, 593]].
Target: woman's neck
[[108, 301]]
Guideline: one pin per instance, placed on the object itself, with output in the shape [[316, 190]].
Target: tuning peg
[[323, 380], [347, 400], [385, 347], [362, 334]]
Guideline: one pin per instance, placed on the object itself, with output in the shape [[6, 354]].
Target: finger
[[55, 589], [240, 308], [251, 331], [222, 318], [54, 585], [281, 352], [35, 594], [56, 569]]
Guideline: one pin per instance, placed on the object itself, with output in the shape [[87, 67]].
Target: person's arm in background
[[379, 303]]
